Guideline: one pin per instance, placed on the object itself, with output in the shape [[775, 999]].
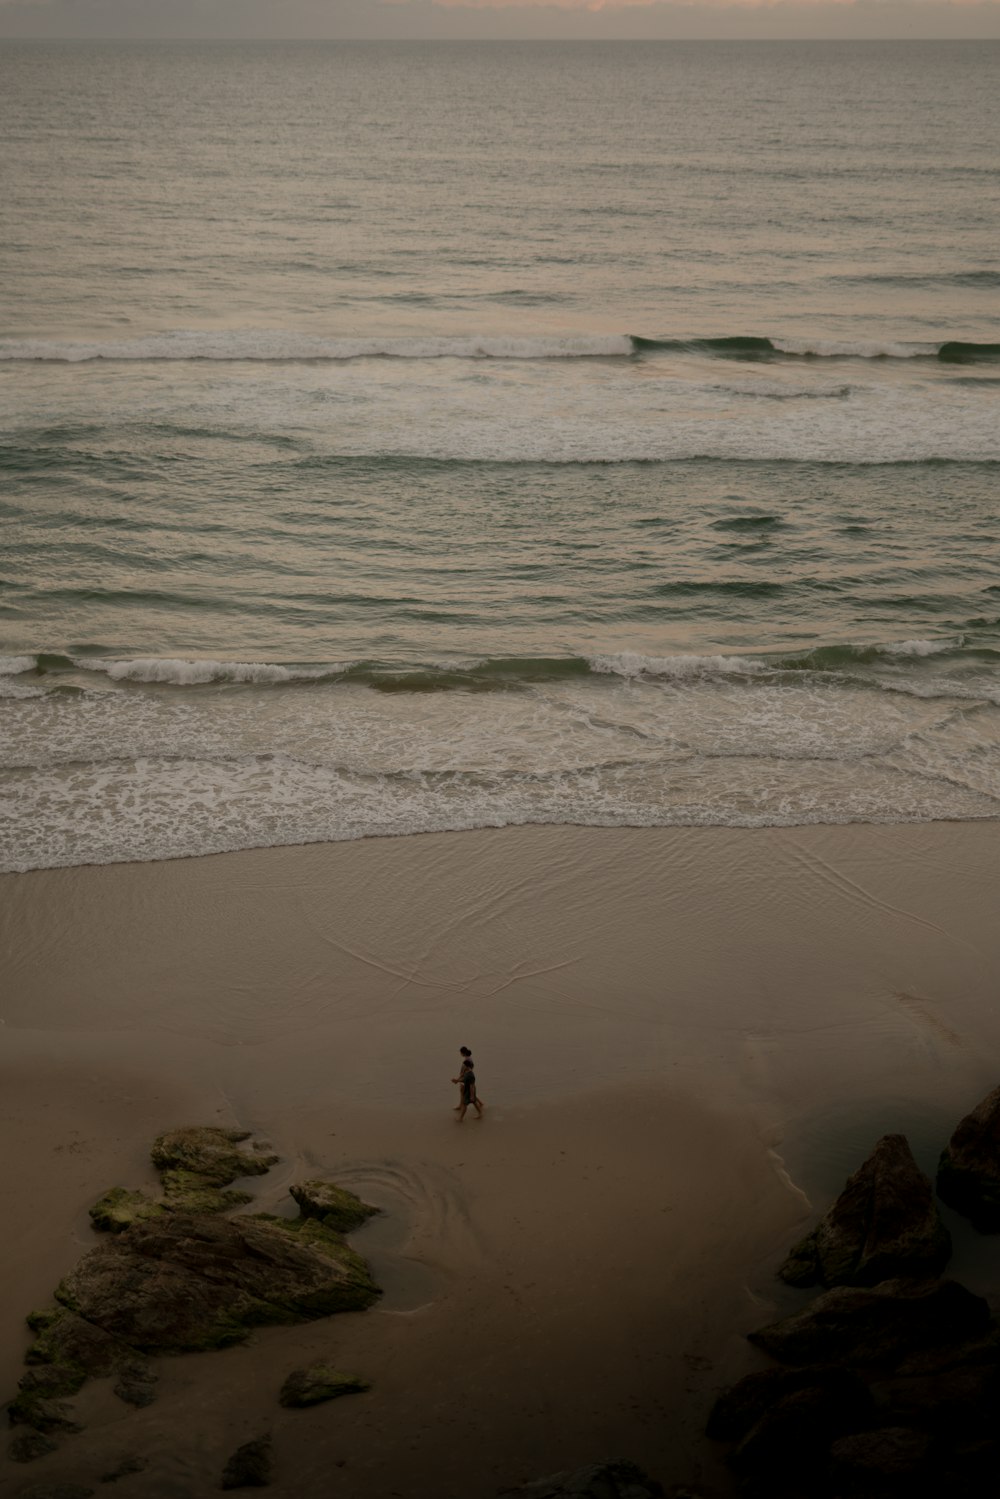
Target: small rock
[[250, 1466], [739, 1409], [617, 1479], [968, 1177], [852, 1325], [210, 1153], [137, 1385], [332, 1205], [41, 1414], [892, 1453], [28, 1445], [883, 1225], [318, 1383], [123, 1468]]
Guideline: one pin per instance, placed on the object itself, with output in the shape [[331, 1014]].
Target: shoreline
[[682, 1036]]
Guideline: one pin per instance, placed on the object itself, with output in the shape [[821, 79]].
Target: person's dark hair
[[465, 1051]]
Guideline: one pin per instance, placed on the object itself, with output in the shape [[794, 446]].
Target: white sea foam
[[630, 664], [921, 647], [184, 673], [854, 348], [12, 666]]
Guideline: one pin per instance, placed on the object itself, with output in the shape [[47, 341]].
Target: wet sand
[[682, 1037]]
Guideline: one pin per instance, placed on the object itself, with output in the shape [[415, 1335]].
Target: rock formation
[[968, 1177], [884, 1223]]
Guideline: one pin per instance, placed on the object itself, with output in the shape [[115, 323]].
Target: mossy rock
[[28, 1445], [249, 1467], [118, 1209], [332, 1205], [210, 1153], [353, 1292], [190, 1192], [29, 1408], [305, 1387]]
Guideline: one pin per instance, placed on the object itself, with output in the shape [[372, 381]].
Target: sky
[[569, 19]]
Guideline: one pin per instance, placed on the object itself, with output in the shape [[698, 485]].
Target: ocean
[[413, 436]]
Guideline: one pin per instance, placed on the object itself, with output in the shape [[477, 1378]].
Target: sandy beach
[[686, 1039]]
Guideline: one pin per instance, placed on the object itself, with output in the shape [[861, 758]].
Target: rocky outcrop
[[891, 1378], [169, 1280], [884, 1224], [880, 1326], [318, 1383], [617, 1479], [332, 1205], [968, 1176], [181, 1283], [249, 1467]]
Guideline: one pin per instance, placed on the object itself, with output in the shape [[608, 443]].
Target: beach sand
[[686, 1039]]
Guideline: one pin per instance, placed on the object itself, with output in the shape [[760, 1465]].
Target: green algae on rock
[[249, 1467], [181, 1283], [209, 1153], [118, 1209], [334, 1206], [305, 1387]]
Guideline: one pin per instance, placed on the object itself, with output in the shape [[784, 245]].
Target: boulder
[[616, 1479], [124, 1468], [884, 1224], [332, 1205], [739, 1409], [784, 1452], [29, 1445], [877, 1326], [189, 1192], [249, 1467], [318, 1383], [968, 1177], [210, 1154], [893, 1460], [181, 1283], [136, 1385]]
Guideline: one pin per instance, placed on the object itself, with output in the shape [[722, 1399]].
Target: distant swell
[[277, 346]]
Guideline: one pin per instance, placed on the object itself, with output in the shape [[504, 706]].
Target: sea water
[[401, 437]]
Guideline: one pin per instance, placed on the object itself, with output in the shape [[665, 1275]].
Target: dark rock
[[968, 1177], [180, 1283], [209, 1153], [249, 1467], [332, 1205], [875, 1327], [33, 1409], [782, 1452], [962, 1401], [49, 1381], [76, 1347], [318, 1383], [124, 1468], [883, 1225], [28, 1445], [740, 1408], [136, 1385], [890, 1460], [616, 1479]]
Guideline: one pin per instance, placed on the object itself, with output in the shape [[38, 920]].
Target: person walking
[[466, 1081]]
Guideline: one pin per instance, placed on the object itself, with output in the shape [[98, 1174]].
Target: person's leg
[[461, 1109]]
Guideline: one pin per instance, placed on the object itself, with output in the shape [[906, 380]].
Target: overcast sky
[[499, 18]]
